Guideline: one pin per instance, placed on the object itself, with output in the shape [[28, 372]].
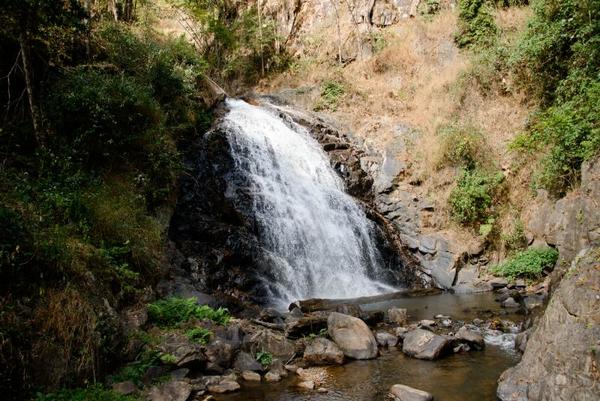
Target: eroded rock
[[400, 392], [423, 344], [322, 351], [352, 335]]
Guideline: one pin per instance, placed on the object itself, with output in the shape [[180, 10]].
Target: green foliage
[[558, 60], [473, 195], [331, 94], [530, 263], [199, 335], [264, 358], [172, 311], [568, 133], [487, 228], [460, 145], [515, 240], [430, 7], [168, 359], [476, 25], [135, 371], [91, 393]]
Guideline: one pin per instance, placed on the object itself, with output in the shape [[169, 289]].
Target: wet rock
[[560, 362], [306, 385], [386, 339], [427, 324], [226, 386], [349, 309], [510, 303], [269, 341], [272, 377], [244, 361], [461, 348], [176, 390], [398, 316], [179, 374], [352, 335], [291, 368], [400, 332], [250, 376], [521, 341], [400, 392], [278, 368], [124, 388], [307, 324], [321, 351], [498, 283], [219, 354], [470, 336], [183, 351], [423, 344]]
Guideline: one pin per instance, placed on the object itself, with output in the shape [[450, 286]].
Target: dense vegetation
[[529, 264], [96, 105]]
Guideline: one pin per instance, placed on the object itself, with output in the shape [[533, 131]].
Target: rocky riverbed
[[452, 350]]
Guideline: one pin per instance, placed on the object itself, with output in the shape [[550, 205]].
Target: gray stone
[[245, 361], [386, 339], [398, 316], [179, 374], [352, 335], [470, 336], [250, 376], [559, 361], [423, 344], [176, 390], [219, 354], [510, 303], [498, 282], [400, 392], [183, 351], [226, 386], [322, 351], [272, 377]]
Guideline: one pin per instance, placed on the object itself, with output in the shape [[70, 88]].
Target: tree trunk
[[112, 8], [36, 114]]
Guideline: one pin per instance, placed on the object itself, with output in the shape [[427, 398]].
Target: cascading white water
[[319, 240]]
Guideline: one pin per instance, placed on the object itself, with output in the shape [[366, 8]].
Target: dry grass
[[67, 341], [422, 80]]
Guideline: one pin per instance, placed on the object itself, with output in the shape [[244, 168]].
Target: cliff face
[[562, 356]]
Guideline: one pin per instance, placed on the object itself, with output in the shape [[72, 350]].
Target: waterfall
[[318, 239]]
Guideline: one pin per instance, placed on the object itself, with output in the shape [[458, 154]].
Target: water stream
[[319, 240]]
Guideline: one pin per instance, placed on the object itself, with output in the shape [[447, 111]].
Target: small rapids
[[319, 240]]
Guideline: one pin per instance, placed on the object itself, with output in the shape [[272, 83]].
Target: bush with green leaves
[[476, 25], [96, 393], [529, 263], [199, 335], [515, 240], [331, 94], [264, 358], [460, 145], [471, 199], [558, 60], [173, 311]]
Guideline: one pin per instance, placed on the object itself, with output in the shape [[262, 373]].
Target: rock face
[[321, 351], [400, 392], [571, 223], [171, 391], [423, 344], [560, 362], [352, 335]]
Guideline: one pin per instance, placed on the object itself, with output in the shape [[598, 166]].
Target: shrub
[[135, 371], [476, 25], [530, 263], [331, 93], [460, 145], [567, 134], [472, 197], [199, 335], [515, 240], [172, 311], [96, 393], [264, 358]]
